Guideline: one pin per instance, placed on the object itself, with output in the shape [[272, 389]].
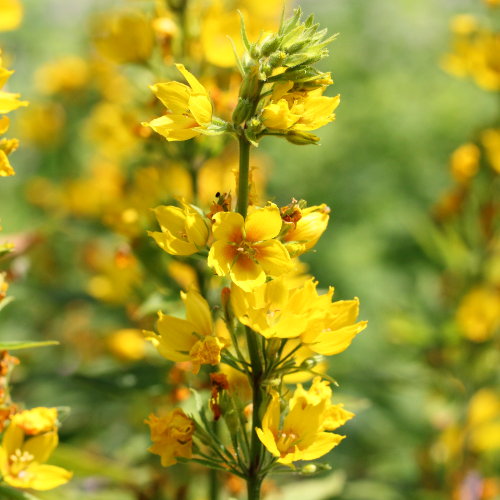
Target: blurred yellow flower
[[491, 142], [23, 454], [245, 249], [183, 230], [125, 36], [476, 53], [478, 314], [221, 20], [37, 420], [483, 423], [172, 436], [302, 435], [127, 344], [298, 110], [190, 108], [42, 124], [11, 14], [464, 162], [64, 75], [196, 338]]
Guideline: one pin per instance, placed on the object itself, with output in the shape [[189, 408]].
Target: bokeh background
[[381, 167]]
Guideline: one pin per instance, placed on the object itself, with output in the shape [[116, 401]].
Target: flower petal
[[273, 257], [228, 226], [173, 95], [221, 257], [246, 273], [263, 224], [197, 312], [201, 108], [197, 87]]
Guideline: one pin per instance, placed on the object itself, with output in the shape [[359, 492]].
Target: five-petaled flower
[[245, 249]]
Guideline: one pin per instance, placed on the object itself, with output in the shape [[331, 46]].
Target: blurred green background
[[380, 167]]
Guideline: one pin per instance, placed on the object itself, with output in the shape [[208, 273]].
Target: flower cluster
[[272, 326]]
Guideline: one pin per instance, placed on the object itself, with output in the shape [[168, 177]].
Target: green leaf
[[14, 345], [8, 493]]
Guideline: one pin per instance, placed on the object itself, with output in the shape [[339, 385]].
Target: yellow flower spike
[[307, 230], [196, 338], [27, 444], [11, 14], [245, 249], [183, 230], [172, 436], [190, 108], [302, 435]]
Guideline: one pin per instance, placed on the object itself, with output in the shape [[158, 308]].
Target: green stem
[[243, 175], [254, 479]]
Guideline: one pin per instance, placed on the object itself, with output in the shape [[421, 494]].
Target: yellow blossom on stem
[[300, 110], [245, 249], [23, 454], [306, 232], [303, 436], [183, 230], [196, 338], [276, 311], [190, 108], [172, 436]]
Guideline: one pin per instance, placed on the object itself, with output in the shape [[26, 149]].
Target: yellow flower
[[11, 14], [37, 420], [221, 20], [245, 249], [298, 110], [190, 108], [183, 230], [64, 75], [127, 344], [196, 338], [206, 352], [302, 435], [23, 454], [123, 36], [172, 436], [307, 231], [478, 314], [483, 422], [275, 310], [491, 142], [464, 162]]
